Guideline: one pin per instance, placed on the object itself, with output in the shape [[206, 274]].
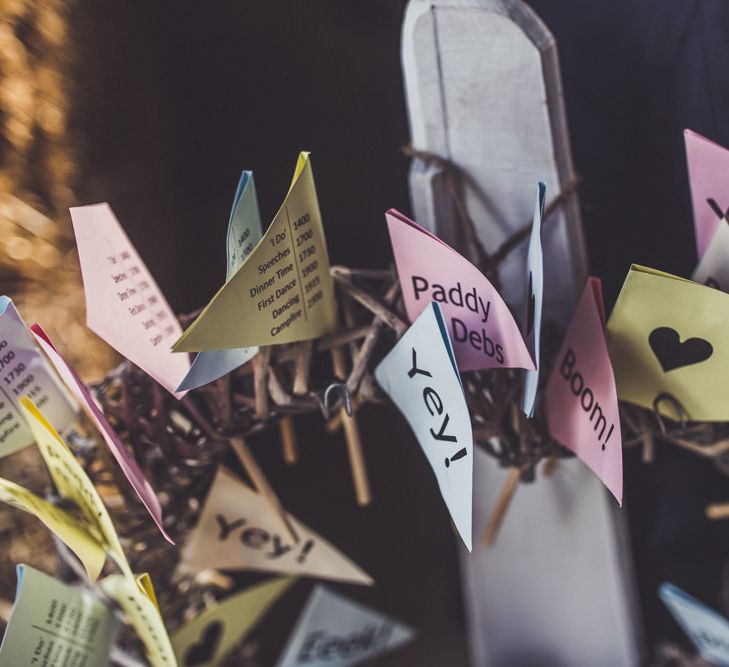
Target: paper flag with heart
[[533, 302], [238, 529], [708, 168], [421, 377], [207, 639], [334, 631], [24, 372], [282, 292], [244, 233], [71, 532], [55, 624], [126, 461], [124, 304], [713, 268], [480, 324], [73, 483], [708, 630], [581, 402], [136, 597], [667, 336]]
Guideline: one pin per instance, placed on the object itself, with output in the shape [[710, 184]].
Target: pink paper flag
[[127, 463], [580, 398], [124, 305], [481, 326], [708, 167]]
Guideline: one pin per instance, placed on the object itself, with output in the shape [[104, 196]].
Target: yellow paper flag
[[137, 600], [667, 335], [67, 529], [283, 291], [72, 481], [207, 639]]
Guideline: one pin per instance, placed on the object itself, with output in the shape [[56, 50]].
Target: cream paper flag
[[73, 483], [70, 531], [124, 304], [24, 372], [136, 598], [55, 624], [282, 292], [239, 530], [333, 631], [421, 377], [207, 639], [244, 233]]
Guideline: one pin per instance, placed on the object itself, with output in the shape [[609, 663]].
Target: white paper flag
[[24, 372], [239, 530], [334, 632], [713, 268], [708, 630], [421, 377], [532, 325]]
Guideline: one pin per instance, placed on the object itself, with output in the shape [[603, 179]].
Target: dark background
[[173, 100]]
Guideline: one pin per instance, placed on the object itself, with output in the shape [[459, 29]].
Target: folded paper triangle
[[238, 529], [333, 630], [420, 376]]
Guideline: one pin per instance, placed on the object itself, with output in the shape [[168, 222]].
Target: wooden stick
[[260, 482], [497, 516], [649, 442], [288, 440], [717, 511], [352, 437], [260, 370]]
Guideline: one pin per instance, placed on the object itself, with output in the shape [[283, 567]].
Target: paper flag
[[55, 624], [70, 531], [332, 631], [244, 233], [206, 640], [533, 302], [581, 402], [708, 630], [24, 372], [713, 268], [124, 305], [137, 600], [481, 327], [283, 291], [125, 460], [239, 530], [421, 377], [708, 168], [667, 335], [72, 482]]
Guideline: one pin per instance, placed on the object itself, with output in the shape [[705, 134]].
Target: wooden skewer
[[260, 482], [353, 438], [717, 511], [288, 440], [497, 516], [260, 370], [649, 442]]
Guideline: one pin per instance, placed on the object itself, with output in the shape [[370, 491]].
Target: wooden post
[[484, 92]]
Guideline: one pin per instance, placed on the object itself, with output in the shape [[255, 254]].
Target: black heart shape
[[530, 310], [204, 650], [672, 353]]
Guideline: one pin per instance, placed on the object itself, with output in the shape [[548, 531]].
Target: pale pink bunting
[[481, 327], [124, 304], [708, 168], [126, 462], [581, 401]]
